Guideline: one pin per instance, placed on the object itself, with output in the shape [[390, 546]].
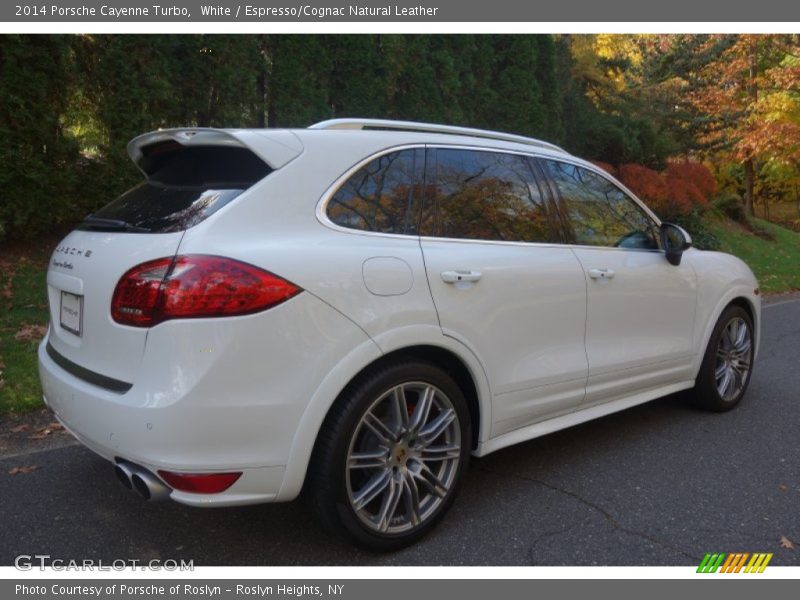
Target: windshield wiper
[[101, 224]]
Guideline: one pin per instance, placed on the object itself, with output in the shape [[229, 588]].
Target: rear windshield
[[184, 187]]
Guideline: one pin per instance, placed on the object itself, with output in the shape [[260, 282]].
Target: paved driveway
[[660, 484]]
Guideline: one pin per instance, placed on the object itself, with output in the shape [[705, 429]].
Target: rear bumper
[[213, 395], [120, 432]]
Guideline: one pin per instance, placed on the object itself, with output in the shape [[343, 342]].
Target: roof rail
[[431, 128]]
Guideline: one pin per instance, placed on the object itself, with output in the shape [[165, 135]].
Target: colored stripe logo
[[735, 563]]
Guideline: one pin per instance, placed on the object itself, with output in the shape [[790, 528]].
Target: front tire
[[728, 362], [390, 456]]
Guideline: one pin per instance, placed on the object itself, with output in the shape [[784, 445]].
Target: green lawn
[[775, 263], [23, 318], [23, 300]]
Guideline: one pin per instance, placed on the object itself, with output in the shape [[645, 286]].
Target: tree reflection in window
[[381, 196], [600, 214], [489, 196]]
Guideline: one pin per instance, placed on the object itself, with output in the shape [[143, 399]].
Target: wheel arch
[[750, 303], [447, 361], [746, 305], [444, 352]]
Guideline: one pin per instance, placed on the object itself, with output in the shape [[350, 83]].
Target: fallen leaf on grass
[[786, 543], [30, 333], [23, 470], [20, 428]]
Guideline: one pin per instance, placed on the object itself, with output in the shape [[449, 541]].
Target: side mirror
[[675, 240]]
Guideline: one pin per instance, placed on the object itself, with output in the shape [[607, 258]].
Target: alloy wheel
[[403, 458], [734, 358]]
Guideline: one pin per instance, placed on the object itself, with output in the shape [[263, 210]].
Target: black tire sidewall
[[357, 402], [706, 388]]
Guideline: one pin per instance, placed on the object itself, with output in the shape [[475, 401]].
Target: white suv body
[[490, 259]]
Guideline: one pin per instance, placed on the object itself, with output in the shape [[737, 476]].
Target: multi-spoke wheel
[[728, 361], [391, 454]]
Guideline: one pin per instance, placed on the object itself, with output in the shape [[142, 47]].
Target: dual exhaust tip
[[142, 481]]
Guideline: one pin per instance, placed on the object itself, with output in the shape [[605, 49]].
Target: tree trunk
[[752, 92], [749, 186], [797, 198], [263, 103], [270, 43]]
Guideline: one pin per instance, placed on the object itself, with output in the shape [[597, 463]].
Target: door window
[[481, 195], [600, 213]]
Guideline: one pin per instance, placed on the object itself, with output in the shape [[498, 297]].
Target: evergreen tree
[[36, 181], [299, 80]]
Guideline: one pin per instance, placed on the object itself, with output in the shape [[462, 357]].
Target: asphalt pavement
[[659, 484]]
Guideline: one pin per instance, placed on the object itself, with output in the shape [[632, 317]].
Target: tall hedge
[[70, 104]]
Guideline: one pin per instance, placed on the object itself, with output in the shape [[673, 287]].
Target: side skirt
[[541, 428]]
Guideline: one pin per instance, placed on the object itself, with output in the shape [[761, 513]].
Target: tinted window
[[488, 196], [381, 196], [184, 187], [600, 214], [156, 208]]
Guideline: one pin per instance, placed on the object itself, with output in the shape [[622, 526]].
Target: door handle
[[601, 273], [456, 276]]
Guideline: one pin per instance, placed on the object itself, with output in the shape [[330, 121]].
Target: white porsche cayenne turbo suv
[[357, 307]]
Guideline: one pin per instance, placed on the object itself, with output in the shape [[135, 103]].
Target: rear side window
[[600, 213], [482, 195], [185, 185], [382, 196]]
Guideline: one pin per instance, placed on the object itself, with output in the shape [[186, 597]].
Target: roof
[[414, 126]]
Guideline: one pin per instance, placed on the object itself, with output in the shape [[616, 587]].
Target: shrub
[[605, 166], [677, 191], [732, 206], [758, 230], [694, 223], [697, 175], [645, 183]]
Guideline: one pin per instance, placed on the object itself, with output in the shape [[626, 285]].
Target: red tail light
[[195, 286], [200, 483]]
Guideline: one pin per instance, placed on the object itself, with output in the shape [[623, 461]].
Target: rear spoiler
[[276, 147]]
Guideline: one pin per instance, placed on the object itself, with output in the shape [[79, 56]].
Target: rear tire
[[728, 362], [390, 456]]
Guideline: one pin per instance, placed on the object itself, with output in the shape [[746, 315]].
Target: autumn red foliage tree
[[695, 173], [683, 186], [605, 166]]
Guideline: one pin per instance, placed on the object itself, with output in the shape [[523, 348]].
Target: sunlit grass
[[23, 315], [776, 263]]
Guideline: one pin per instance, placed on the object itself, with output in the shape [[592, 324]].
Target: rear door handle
[[456, 276], [601, 273]]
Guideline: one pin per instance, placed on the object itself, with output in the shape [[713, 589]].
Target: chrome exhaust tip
[[125, 474], [149, 486]]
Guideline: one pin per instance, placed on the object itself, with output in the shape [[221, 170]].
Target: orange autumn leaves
[[749, 93], [677, 190]]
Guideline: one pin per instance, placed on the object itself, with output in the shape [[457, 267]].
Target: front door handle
[[456, 276], [601, 273]]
